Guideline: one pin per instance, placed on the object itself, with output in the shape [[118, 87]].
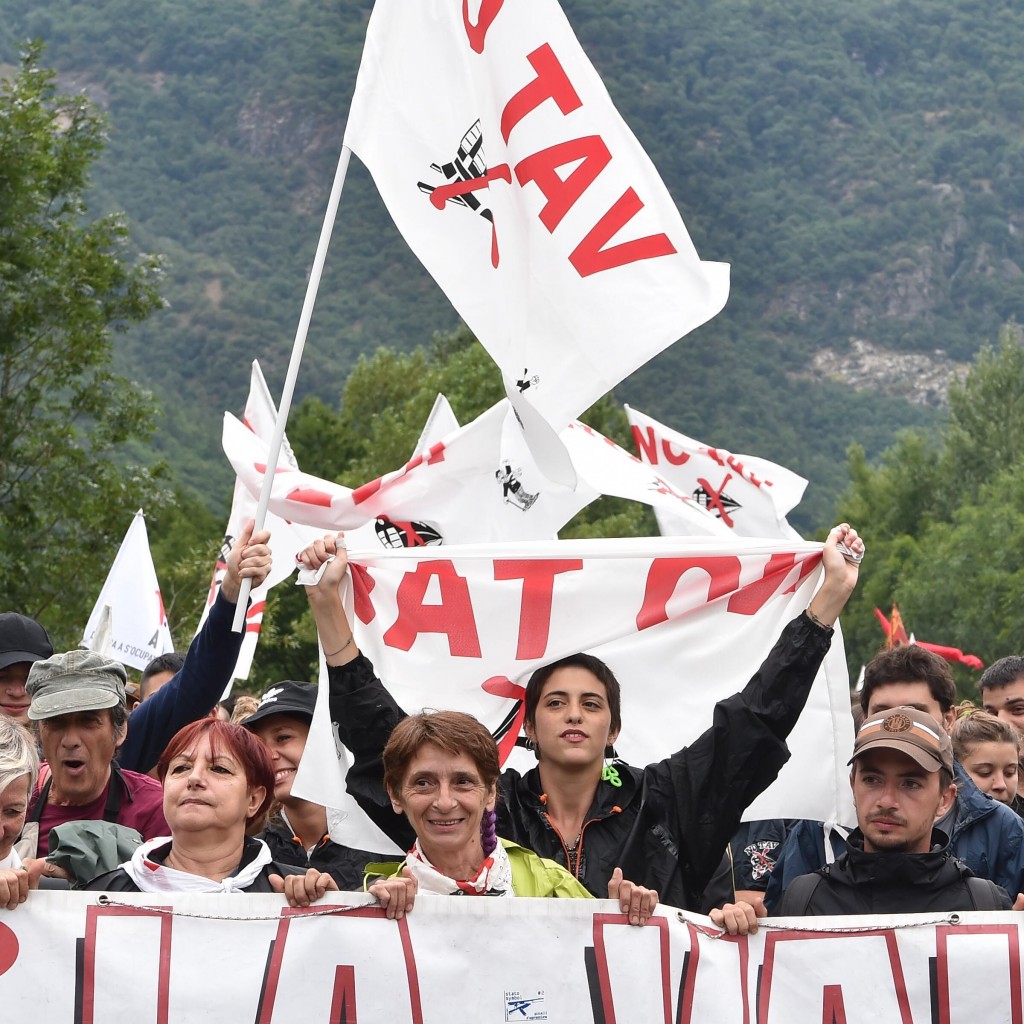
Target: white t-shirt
[[11, 861]]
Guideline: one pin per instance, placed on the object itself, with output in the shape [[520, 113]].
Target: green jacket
[[531, 875]]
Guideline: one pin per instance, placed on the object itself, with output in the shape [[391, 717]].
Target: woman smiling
[[441, 771]]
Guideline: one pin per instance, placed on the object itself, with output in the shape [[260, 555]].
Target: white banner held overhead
[[138, 624], [514, 179], [682, 625], [750, 496], [477, 484], [241, 959]]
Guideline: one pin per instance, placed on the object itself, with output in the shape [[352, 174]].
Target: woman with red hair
[[218, 780]]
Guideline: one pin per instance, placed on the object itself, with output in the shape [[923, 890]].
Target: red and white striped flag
[[479, 484]]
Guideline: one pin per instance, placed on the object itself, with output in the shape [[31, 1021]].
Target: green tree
[[943, 519], [67, 284]]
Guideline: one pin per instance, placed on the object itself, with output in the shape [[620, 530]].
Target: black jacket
[[667, 824], [345, 865], [892, 883]]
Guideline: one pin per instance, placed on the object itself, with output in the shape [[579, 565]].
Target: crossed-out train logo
[[396, 533], [463, 175], [762, 856], [512, 491], [525, 1005], [715, 500]]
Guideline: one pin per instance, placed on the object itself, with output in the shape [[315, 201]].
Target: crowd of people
[[158, 787]]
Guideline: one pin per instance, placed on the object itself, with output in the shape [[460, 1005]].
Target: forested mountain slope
[[859, 165]]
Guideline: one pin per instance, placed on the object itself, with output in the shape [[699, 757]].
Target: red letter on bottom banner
[[628, 974], [359, 948], [959, 952], [807, 975], [90, 989]]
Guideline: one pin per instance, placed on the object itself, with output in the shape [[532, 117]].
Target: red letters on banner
[[8, 948], [753, 597], [736, 466], [433, 455], [477, 33], [594, 253], [342, 955], [647, 443], [538, 578], [453, 616], [723, 577]]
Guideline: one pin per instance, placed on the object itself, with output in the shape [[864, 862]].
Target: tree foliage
[[859, 165], [67, 284], [944, 521]]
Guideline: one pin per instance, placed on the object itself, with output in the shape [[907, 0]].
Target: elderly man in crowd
[[78, 701], [79, 707]]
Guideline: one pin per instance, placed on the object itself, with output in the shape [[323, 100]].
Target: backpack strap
[[984, 894], [799, 893]]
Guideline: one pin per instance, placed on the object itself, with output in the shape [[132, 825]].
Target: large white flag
[[749, 496], [681, 623], [285, 538], [513, 178], [130, 603]]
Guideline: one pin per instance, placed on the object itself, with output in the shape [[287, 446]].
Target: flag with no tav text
[[750, 496]]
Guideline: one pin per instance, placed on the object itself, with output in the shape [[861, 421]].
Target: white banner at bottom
[[84, 958]]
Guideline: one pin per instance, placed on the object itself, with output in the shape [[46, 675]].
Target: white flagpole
[[284, 406]]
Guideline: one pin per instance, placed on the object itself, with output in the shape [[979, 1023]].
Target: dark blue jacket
[[988, 837], [189, 696]]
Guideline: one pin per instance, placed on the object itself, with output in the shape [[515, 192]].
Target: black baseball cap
[[22, 639], [285, 698]]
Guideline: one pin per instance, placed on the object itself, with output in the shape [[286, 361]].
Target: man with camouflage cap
[[78, 701]]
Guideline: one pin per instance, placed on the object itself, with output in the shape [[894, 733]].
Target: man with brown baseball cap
[[910, 731], [22, 642], [896, 860]]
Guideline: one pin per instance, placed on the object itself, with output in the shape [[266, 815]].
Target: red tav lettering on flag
[[477, 34]]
